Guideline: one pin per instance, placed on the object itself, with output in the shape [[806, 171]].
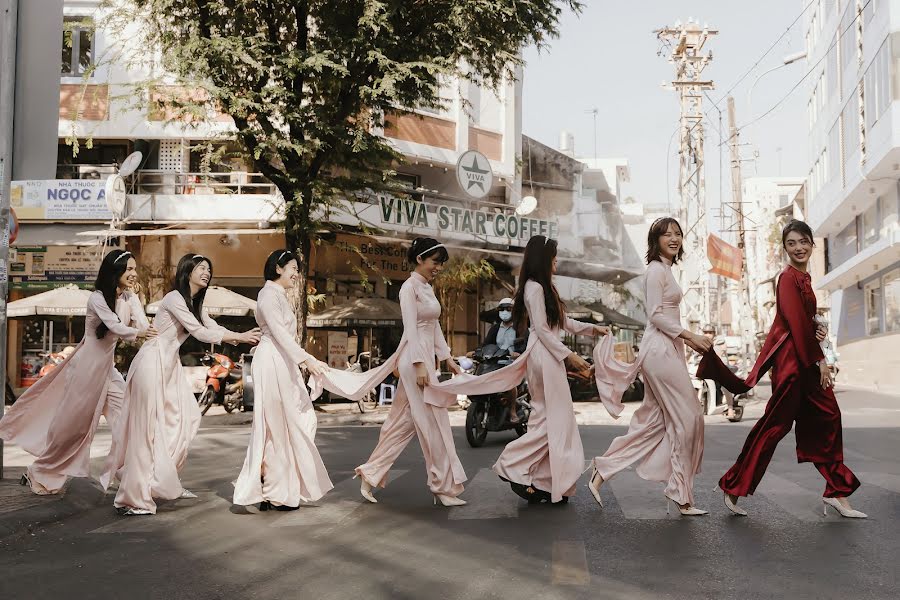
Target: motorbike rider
[[504, 335]]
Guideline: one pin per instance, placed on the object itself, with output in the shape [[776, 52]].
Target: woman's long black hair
[[111, 270], [182, 283], [537, 265]]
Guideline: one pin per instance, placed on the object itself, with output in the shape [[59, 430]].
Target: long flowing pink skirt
[[282, 464]]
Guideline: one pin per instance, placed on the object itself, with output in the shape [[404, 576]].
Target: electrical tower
[[684, 45]]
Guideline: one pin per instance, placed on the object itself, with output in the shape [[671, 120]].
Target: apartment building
[[853, 189]]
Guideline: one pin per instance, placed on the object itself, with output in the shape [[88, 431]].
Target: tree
[[459, 276], [308, 83]]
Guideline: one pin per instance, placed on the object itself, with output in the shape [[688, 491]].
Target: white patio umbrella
[[219, 301], [65, 301]]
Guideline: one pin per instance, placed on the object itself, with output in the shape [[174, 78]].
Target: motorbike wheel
[[476, 433], [521, 429], [231, 403], [206, 399], [738, 414]]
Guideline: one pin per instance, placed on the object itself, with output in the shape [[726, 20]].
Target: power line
[[765, 54], [813, 68]]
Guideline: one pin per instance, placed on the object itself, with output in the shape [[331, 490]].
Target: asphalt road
[[495, 547]]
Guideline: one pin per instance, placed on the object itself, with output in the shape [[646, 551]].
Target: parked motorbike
[[54, 359], [224, 383], [490, 412]]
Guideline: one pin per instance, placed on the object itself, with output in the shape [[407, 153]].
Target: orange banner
[[726, 260]]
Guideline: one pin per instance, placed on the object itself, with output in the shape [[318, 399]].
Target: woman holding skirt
[[410, 415], [282, 467], [56, 418], [665, 437], [801, 389], [545, 463], [161, 416]]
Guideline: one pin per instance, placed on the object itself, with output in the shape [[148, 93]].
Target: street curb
[[79, 495]]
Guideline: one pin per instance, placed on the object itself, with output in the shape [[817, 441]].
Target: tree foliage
[[459, 276], [309, 84]]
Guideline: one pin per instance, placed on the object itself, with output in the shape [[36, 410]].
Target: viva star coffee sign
[[473, 172]]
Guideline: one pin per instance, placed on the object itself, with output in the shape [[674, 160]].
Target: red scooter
[[224, 383]]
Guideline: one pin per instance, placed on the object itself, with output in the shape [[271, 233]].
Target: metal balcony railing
[[233, 182]]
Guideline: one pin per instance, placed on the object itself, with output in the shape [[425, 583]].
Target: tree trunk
[[296, 235]]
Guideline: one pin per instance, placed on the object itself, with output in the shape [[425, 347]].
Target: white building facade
[[853, 199]]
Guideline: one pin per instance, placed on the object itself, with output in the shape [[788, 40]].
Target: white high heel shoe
[[187, 494], [850, 513], [595, 488], [732, 506], [690, 511], [365, 490], [448, 500]]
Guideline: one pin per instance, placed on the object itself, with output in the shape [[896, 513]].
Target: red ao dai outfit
[[791, 351], [56, 419]]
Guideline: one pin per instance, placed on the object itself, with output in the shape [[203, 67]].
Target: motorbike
[[489, 412], [224, 383]]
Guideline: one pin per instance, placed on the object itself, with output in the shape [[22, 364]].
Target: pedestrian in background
[[665, 436], [282, 467], [56, 419], [161, 416], [801, 389]]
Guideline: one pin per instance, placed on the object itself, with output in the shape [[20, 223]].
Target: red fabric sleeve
[[801, 326]]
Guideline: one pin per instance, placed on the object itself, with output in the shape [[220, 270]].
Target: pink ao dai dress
[[56, 419], [665, 436], [160, 416], [282, 464]]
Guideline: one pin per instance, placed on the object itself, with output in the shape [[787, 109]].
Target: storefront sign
[[70, 199], [54, 264], [352, 252], [412, 213], [473, 172], [337, 349]]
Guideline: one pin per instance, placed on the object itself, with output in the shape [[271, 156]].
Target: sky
[[606, 57]]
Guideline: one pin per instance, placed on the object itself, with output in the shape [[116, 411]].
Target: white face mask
[[505, 315]]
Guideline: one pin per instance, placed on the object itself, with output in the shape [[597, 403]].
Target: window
[[873, 307], [870, 225], [850, 133], [847, 31], [891, 286], [831, 71], [878, 85], [834, 151], [78, 46], [890, 207]]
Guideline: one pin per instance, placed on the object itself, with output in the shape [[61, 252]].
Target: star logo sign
[[475, 175]]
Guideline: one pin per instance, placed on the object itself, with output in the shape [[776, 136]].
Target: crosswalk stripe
[[883, 480], [638, 499], [569, 565], [800, 502], [333, 508], [488, 498], [168, 514]]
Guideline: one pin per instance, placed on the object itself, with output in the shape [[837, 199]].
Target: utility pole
[[735, 210], [686, 43], [8, 25]]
